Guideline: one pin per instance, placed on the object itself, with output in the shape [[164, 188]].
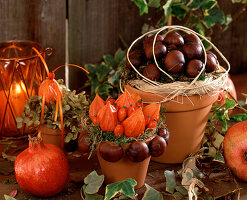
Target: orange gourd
[[152, 110], [125, 99], [134, 125], [107, 117], [95, 107]]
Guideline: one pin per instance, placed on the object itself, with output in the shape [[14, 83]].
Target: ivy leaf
[[219, 157], [94, 182], [142, 5], [119, 55], [152, 194], [103, 90], [179, 11], [126, 187], [109, 60], [170, 181], [213, 16], [7, 197], [200, 29], [239, 117], [181, 190], [91, 196], [154, 3], [115, 78], [218, 139], [229, 104], [102, 71], [167, 9], [195, 4]]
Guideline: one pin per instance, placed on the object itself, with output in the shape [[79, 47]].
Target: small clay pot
[[186, 123], [50, 136], [124, 168]]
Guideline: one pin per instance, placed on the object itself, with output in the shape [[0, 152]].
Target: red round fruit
[[192, 50], [42, 169], [111, 152], [138, 151], [119, 130], [235, 149], [84, 143], [122, 113], [173, 40], [131, 109], [174, 61], [193, 68], [157, 146], [151, 72]]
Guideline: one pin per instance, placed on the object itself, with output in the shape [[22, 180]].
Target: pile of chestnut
[[176, 53], [137, 150]]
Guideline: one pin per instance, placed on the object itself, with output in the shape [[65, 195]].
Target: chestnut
[[111, 152], [159, 50], [173, 40], [151, 72], [212, 62], [157, 146], [192, 50], [135, 58], [191, 38], [174, 61], [150, 40], [163, 132], [193, 68], [84, 143], [137, 151]]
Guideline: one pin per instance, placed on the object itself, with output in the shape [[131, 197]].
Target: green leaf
[[7, 197], [229, 104], [239, 117], [91, 196], [219, 157], [126, 187], [152, 194], [115, 78], [213, 16], [179, 11], [142, 5], [195, 4], [167, 9], [102, 71], [94, 182], [119, 55], [109, 60], [104, 90], [170, 181], [8, 181], [154, 3], [200, 29], [178, 196]]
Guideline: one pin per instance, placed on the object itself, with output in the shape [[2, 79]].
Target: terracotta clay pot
[[124, 168], [186, 123], [50, 136]]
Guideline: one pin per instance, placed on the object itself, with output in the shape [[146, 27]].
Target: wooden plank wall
[[42, 21], [94, 29]]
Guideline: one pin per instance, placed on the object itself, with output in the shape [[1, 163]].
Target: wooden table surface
[[80, 166]]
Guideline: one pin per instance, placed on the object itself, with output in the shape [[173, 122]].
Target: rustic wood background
[[95, 27]]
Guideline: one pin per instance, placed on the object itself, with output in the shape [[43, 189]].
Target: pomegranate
[[235, 149], [42, 169]]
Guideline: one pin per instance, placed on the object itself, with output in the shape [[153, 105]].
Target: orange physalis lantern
[[152, 111], [95, 107], [134, 125], [125, 99], [107, 117]]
